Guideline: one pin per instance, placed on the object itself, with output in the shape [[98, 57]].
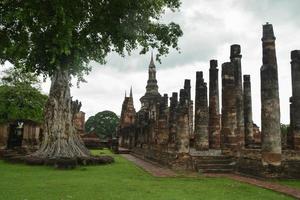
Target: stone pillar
[[172, 121], [187, 88], [229, 118], [163, 124], [214, 110], [290, 136], [295, 111], [249, 137], [182, 134], [235, 58], [201, 113], [270, 107]]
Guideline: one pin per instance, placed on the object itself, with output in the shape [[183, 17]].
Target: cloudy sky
[[210, 27]]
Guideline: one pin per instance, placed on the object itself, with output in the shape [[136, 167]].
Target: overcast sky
[[210, 27]]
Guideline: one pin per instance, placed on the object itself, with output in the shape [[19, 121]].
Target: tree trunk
[[60, 137]]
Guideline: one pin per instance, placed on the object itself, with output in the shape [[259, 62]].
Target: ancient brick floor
[[159, 171]]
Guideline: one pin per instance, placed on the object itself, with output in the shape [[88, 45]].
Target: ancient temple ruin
[[213, 137], [24, 134]]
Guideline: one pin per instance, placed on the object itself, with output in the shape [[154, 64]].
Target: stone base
[[273, 159], [296, 142], [248, 162]]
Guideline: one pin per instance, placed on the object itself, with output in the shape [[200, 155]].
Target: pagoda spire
[[152, 86], [130, 92]]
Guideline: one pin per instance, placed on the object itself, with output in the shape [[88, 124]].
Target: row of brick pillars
[[234, 129]]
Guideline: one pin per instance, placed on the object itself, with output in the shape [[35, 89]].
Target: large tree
[[104, 124], [20, 97], [58, 39]]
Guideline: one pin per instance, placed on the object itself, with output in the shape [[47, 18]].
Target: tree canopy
[[20, 98], [42, 36], [103, 123]]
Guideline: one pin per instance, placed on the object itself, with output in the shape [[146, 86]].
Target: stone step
[[220, 171], [124, 151], [215, 158], [215, 166], [222, 161]]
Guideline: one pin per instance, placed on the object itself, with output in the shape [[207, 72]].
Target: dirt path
[[153, 169], [159, 171]]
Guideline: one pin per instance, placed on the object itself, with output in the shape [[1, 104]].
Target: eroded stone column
[[201, 113], [163, 124], [249, 137], [172, 121], [270, 107], [182, 134], [295, 111], [214, 110], [235, 58], [187, 88], [229, 122]]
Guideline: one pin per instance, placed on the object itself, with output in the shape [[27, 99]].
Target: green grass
[[120, 180]]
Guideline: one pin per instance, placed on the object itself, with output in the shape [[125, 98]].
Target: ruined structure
[[127, 120], [214, 110], [270, 108], [79, 121], [249, 135], [23, 134], [201, 114], [295, 100], [165, 133]]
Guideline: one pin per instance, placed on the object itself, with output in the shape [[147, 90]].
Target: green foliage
[[284, 128], [118, 181], [103, 123], [20, 98], [21, 102], [42, 36]]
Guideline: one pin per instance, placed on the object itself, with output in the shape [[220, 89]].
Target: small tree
[[58, 39]]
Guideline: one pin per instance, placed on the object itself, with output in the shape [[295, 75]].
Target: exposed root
[[71, 147]]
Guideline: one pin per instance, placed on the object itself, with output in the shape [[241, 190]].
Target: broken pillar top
[[175, 95], [247, 78], [174, 99], [164, 101], [187, 88], [227, 66], [268, 33], [213, 64], [295, 55], [182, 96], [235, 51], [199, 76], [187, 83]]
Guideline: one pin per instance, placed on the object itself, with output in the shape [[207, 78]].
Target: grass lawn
[[120, 180]]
